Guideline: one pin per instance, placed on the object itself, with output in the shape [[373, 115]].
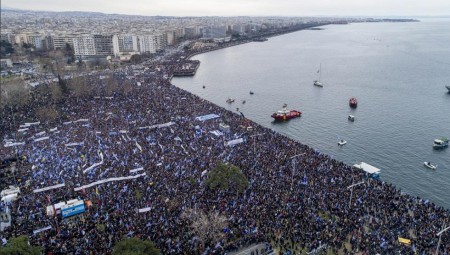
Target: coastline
[[397, 186], [318, 210]]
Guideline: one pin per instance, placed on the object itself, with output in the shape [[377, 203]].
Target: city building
[[103, 45], [84, 45]]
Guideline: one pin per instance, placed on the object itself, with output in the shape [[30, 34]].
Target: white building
[[84, 45], [59, 41], [124, 44], [147, 43]]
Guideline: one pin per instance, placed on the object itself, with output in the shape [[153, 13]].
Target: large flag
[[305, 180]]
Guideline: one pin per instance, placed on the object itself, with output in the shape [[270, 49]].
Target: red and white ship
[[353, 102], [285, 114]]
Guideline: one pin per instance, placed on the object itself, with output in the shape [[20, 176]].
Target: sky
[[242, 7]]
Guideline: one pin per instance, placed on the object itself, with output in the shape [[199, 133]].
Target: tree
[[227, 177], [135, 246], [127, 87], [135, 58], [14, 93], [56, 93], [208, 227], [46, 114], [5, 48], [20, 245], [79, 86], [111, 86], [70, 54]]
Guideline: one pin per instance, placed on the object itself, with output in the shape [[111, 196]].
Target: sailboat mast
[[320, 71]]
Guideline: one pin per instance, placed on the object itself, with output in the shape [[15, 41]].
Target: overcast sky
[[242, 7]]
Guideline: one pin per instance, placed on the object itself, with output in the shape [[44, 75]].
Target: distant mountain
[[6, 8]]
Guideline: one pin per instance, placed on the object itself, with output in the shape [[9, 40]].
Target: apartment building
[[59, 41], [84, 45], [147, 43], [124, 44], [103, 45]]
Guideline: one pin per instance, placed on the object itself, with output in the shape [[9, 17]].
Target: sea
[[397, 72]]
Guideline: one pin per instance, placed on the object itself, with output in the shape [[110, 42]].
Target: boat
[[351, 118], [370, 170], [251, 92], [342, 142], [429, 165], [243, 102], [230, 100], [448, 87], [285, 114], [353, 102], [440, 143], [318, 83]]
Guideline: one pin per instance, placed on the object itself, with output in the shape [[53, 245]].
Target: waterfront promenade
[[151, 135]]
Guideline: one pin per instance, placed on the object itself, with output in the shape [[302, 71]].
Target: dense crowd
[[118, 134]]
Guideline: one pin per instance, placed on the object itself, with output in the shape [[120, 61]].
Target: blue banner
[[72, 210]]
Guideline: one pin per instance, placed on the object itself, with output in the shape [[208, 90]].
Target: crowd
[[106, 137]]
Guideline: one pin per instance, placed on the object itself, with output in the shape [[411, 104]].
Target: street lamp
[[440, 235], [254, 143], [351, 190], [293, 167]]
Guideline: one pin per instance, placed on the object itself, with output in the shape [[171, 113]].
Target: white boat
[[440, 143], [369, 169], [342, 142], [429, 165], [351, 118], [317, 82]]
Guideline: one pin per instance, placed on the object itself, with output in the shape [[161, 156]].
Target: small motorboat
[[204, 86], [251, 92], [243, 102], [429, 165], [353, 102], [318, 84], [230, 100], [351, 118], [440, 143], [342, 142]]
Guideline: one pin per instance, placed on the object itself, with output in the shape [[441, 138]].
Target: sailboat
[[317, 82]]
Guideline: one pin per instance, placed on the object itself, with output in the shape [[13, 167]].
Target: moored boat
[[353, 102], [342, 142], [430, 165], [317, 82], [230, 100], [285, 114], [351, 118], [440, 143], [251, 92]]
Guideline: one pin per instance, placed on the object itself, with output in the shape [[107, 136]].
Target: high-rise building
[[36, 40], [84, 45], [123, 44], [103, 45], [59, 41], [147, 43], [161, 41]]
